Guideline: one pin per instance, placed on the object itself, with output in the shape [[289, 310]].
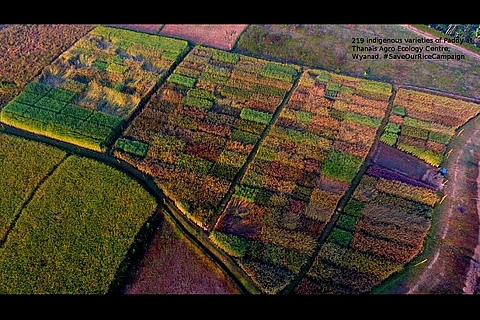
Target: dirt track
[[450, 267], [451, 45], [472, 284]]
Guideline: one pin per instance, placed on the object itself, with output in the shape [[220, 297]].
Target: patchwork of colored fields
[[422, 124], [74, 231], [302, 169], [381, 228], [202, 124], [258, 154], [84, 96]]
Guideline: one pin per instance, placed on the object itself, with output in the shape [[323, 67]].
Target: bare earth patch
[[172, 264], [220, 36]]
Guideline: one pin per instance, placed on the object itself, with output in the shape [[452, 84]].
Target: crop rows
[[49, 111], [74, 233], [23, 164], [27, 48], [423, 124], [380, 229], [202, 124], [302, 169], [86, 93]]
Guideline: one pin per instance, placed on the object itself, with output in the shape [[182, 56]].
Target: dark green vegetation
[[469, 33], [76, 230], [330, 47], [49, 111]]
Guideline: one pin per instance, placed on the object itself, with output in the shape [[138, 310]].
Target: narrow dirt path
[[451, 45], [472, 283], [450, 267]]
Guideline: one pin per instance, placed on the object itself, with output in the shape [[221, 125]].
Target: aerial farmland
[[239, 159]]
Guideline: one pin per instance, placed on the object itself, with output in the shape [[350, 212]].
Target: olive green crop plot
[[74, 233], [23, 164]]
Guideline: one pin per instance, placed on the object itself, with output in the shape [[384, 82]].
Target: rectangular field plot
[[383, 226], [220, 36], [84, 96], [303, 167], [148, 28], [201, 125], [422, 124]]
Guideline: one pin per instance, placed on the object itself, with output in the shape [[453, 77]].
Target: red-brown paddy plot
[[220, 36]]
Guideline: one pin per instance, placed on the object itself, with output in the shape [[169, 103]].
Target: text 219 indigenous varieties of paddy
[[405, 49]]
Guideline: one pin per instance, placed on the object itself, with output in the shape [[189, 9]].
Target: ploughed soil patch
[[172, 264], [408, 166], [220, 36]]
